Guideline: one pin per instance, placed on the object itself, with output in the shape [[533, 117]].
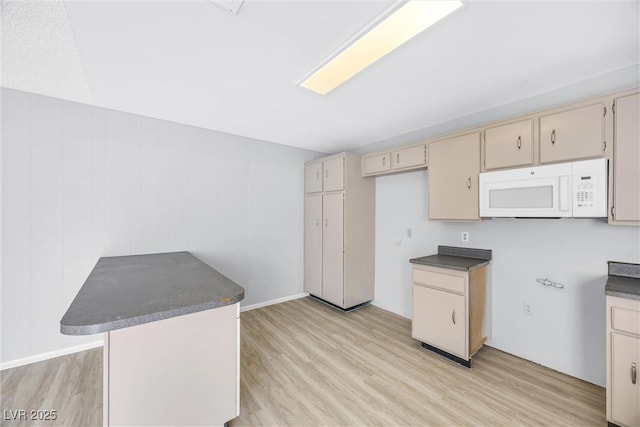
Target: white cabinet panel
[[333, 174], [439, 319], [333, 248], [313, 178], [313, 244]]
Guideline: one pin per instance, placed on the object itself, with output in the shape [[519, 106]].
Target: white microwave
[[577, 189]]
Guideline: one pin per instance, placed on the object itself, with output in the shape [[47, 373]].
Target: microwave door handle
[[564, 193]]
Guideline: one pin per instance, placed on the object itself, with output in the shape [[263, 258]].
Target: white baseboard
[[389, 310], [273, 301], [68, 350], [49, 355]]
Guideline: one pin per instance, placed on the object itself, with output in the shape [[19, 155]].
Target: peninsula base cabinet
[[339, 226], [179, 371], [449, 310], [623, 361]]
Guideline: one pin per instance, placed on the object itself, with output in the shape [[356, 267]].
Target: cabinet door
[[571, 135], [409, 157], [333, 174], [454, 165], [626, 159], [333, 248], [439, 319], [509, 145], [376, 164], [625, 395], [313, 244], [313, 178]]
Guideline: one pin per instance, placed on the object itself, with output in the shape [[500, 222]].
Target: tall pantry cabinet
[[339, 223]]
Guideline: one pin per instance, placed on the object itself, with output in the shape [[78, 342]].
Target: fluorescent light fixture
[[377, 40]]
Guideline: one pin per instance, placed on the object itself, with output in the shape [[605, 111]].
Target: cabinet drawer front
[[376, 164], [625, 320], [625, 395], [509, 145], [439, 320], [313, 178], [409, 157], [571, 135], [333, 174], [442, 281]]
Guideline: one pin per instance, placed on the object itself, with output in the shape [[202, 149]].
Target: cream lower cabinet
[[454, 166], [623, 361], [339, 228], [448, 310], [625, 203]]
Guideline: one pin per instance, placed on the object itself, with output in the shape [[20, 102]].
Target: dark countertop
[[623, 280], [464, 259], [131, 290]]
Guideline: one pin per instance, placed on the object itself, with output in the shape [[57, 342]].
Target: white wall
[[80, 182], [567, 331]]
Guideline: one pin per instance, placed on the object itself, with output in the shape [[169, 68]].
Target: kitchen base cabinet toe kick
[[449, 298]]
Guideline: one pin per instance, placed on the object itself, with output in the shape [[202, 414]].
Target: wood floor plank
[[305, 364]]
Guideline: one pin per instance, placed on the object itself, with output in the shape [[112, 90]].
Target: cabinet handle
[[469, 183], [519, 143], [326, 173], [317, 174], [397, 157], [384, 160], [317, 222], [553, 136], [633, 373], [326, 222], [453, 317]]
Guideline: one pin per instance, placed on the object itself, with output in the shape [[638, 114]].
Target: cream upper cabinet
[[454, 165], [409, 157], [376, 164], [626, 160], [509, 145], [313, 178], [623, 361], [403, 159], [573, 134], [333, 174], [339, 227]]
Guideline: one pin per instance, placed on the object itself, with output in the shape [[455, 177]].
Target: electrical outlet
[[527, 308], [465, 236], [409, 232]]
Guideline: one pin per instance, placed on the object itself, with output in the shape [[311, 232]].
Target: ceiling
[[192, 62]]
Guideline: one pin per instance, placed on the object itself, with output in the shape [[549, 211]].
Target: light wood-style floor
[[304, 363]]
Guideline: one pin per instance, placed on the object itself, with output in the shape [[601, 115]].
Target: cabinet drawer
[[625, 320], [509, 145], [409, 157], [376, 164], [442, 281], [571, 135], [439, 320]]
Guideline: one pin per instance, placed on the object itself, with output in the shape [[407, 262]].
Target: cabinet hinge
[[604, 146], [605, 111], [613, 107], [613, 211]]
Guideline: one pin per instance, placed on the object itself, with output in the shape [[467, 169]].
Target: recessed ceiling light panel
[[385, 34], [232, 6]]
